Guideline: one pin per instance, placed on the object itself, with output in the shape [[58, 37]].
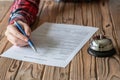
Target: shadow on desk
[[53, 11], [76, 1]]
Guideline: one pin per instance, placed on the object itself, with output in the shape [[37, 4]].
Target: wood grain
[[4, 7], [103, 14]]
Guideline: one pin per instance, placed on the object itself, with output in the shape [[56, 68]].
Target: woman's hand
[[15, 36]]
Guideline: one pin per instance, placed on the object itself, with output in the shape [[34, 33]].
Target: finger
[[22, 45], [14, 31], [16, 41], [26, 28]]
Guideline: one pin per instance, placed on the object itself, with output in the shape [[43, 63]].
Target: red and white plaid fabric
[[25, 10]]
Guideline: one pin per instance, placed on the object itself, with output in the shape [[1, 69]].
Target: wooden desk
[[103, 14]]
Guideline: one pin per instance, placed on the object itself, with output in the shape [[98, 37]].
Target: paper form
[[56, 44]]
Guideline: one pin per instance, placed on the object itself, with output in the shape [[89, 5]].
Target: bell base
[[101, 53]]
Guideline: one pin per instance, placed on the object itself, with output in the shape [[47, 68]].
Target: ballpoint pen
[[23, 32]]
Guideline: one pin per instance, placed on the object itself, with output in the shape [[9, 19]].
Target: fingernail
[[26, 40], [28, 34]]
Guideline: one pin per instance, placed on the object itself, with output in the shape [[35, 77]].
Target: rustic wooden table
[[104, 14]]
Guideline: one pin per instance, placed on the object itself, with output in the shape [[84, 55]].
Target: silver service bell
[[101, 46]]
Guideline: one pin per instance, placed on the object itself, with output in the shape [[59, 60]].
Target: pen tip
[[35, 50]]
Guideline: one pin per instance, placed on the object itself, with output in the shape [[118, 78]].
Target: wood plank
[[4, 44], [4, 65], [89, 63], [68, 13], [4, 7], [59, 18], [114, 6], [82, 66], [3, 40]]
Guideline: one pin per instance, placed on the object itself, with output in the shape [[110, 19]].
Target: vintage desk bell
[[101, 46]]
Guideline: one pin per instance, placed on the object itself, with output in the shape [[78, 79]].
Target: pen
[[23, 32]]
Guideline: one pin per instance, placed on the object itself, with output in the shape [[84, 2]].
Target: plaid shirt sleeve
[[25, 10]]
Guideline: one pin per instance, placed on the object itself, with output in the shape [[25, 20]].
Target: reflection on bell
[[101, 46]]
